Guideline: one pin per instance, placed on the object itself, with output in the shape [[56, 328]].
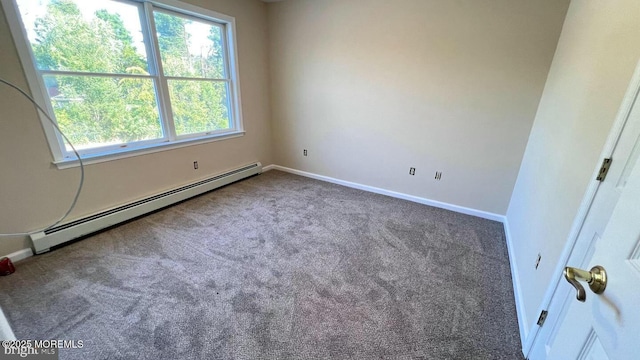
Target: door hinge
[[542, 317], [604, 169]]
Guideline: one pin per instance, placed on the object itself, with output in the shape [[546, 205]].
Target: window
[[125, 76]]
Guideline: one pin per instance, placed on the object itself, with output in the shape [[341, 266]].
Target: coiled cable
[[81, 183]]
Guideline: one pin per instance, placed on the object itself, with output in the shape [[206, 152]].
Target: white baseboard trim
[[523, 324], [395, 194], [20, 255]]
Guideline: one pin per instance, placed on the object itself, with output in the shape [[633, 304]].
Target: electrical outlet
[[538, 261], [412, 171], [438, 175], [195, 165], [304, 152]]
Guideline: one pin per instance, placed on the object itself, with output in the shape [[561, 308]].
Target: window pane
[[98, 111], [199, 106], [189, 47], [80, 35]]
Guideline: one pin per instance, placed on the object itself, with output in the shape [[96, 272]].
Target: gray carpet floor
[[276, 267]]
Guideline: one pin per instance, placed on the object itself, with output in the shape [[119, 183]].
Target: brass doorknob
[[596, 278]]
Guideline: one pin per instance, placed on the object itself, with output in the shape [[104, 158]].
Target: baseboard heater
[[43, 241]]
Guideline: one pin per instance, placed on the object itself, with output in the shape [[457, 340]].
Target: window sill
[[148, 149]]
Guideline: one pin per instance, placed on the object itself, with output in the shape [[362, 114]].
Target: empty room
[[319, 179]]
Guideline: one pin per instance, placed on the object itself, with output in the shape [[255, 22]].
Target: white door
[[605, 326]]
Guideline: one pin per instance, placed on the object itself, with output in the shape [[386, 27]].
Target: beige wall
[[33, 192], [597, 53], [373, 87]]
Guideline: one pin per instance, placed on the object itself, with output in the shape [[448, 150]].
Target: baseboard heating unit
[[43, 241]]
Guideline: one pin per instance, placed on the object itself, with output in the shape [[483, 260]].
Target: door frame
[[633, 92]]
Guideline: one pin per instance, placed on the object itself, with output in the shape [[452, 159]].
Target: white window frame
[[63, 158]]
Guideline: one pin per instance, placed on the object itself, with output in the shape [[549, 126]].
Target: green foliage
[[199, 106], [101, 110], [124, 42]]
